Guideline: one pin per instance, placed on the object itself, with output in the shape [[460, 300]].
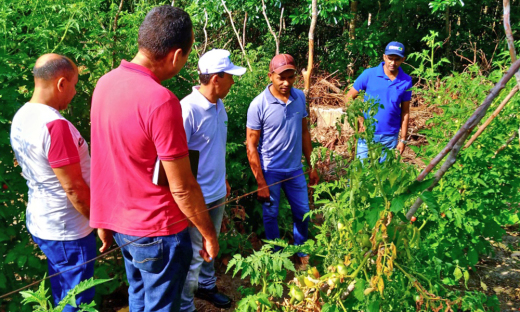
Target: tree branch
[[205, 31], [307, 72], [114, 27], [456, 142], [244, 31], [276, 40], [509, 36], [236, 33]]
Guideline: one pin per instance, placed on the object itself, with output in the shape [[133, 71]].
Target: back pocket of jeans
[[147, 257]]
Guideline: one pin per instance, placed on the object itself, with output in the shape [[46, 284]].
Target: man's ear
[[176, 56], [214, 79], [60, 84]]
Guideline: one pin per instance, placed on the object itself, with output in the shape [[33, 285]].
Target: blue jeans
[[156, 269], [63, 255], [202, 273], [296, 192], [388, 141]]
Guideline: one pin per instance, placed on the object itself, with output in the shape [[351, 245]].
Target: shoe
[[301, 263], [219, 300]]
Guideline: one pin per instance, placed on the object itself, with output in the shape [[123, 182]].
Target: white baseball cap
[[217, 61]]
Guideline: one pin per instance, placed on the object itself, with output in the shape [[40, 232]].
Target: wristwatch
[[403, 141]]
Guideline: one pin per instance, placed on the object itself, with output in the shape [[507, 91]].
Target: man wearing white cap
[[205, 123]]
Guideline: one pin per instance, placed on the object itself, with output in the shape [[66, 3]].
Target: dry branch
[[244, 31], [456, 142], [276, 39], [307, 72], [205, 31], [509, 36], [490, 119], [236, 33]]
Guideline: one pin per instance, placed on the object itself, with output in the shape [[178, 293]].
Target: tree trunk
[[352, 26], [307, 72]]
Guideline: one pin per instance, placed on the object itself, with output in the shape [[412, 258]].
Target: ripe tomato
[[4, 186], [413, 219]]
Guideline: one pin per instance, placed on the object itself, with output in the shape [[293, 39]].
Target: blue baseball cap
[[395, 48]]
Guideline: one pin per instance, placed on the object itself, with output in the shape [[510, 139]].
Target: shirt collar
[[138, 68], [271, 99], [203, 102], [381, 72]]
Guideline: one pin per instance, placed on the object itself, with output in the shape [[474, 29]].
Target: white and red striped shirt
[[42, 139]]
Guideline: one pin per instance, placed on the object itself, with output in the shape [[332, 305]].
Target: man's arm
[[77, 190], [405, 116], [351, 95], [188, 196], [252, 139], [307, 150]]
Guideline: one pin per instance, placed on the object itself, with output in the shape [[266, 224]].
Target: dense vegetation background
[[463, 55]]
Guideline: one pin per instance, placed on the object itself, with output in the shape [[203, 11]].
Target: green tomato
[[366, 241], [296, 293], [341, 226], [342, 269], [417, 298]]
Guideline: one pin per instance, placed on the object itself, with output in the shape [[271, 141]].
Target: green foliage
[[265, 268], [40, 300]]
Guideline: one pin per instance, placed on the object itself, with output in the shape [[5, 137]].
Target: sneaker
[[216, 298]]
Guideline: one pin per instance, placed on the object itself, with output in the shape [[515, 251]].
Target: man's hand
[[228, 189], [209, 250], [400, 147], [313, 177], [107, 238], [263, 194]]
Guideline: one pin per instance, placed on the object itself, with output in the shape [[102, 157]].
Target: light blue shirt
[[205, 124], [280, 145]]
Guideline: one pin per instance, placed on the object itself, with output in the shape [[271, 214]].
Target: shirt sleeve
[[407, 94], [167, 130], [254, 120], [187, 118], [63, 149], [361, 81]]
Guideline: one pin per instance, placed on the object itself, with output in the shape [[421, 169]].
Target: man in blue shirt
[[277, 134], [205, 124], [387, 85]]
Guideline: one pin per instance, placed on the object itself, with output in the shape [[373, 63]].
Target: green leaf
[[398, 203], [374, 306], [359, 289], [430, 200], [457, 273]]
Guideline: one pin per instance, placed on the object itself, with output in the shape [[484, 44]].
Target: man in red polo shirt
[[135, 121]]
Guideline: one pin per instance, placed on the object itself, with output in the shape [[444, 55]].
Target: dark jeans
[[296, 192], [63, 255], [156, 268]]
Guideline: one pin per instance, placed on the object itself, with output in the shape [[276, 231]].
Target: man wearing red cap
[[277, 134]]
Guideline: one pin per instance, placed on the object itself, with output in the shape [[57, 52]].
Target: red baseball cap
[[281, 63]]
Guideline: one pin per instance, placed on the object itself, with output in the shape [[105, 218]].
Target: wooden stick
[[307, 72], [236, 33], [456, 142], [276, 40], [490, 119]]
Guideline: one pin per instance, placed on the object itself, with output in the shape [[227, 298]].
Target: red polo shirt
[[134, 121]]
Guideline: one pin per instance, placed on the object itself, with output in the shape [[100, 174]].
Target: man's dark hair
[[205, 78], [52, 69], [163, 29]]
